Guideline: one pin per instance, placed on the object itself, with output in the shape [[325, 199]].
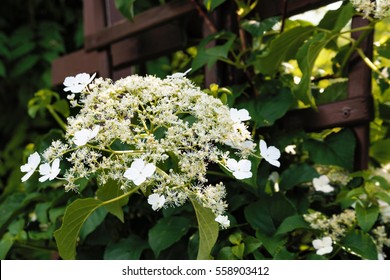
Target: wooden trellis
[[113, 44]]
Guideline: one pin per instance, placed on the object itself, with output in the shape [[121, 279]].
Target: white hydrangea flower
[[49, 172], [83, 136], [241, 169], [321, 184], [223, 220], [31, 165], [384, 209], [157, 201], [139, 171], [271, 154], [323, 246], [239, 115], [179, 75], [77, 83]]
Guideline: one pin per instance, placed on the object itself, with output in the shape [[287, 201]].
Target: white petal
[[138, 164], [325, 250], [317, 243], [244, 165], [242, 175], [327, 241], [81, 137], [94, 132], [273, 152], [139, 180], [263, 147], [273, 162], [27, 175], [232, 164], [69, 81], [131, 174], [149, 170]]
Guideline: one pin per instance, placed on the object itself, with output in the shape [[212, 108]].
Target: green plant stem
[[56, 117], [371, 65], [121, 196]]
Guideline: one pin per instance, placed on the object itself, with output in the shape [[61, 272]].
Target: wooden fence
[[113, 44]]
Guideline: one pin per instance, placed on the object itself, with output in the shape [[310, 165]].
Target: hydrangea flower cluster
[[160, 135], [379, 9]]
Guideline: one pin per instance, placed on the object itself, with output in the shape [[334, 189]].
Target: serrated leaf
[[366, 216], [75, 216], [129, 248], [336, 149], [166, 232], [208, 230], [361, 244], [111, 190]]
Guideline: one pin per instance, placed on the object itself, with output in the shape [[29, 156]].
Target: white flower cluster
[[157, 134], [379, 9]]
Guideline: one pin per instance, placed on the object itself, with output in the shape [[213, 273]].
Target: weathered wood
[[144, 21], [345, 113]]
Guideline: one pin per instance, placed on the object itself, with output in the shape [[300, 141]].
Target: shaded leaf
[[212, 4], [380, 151], [126, 7], [208, 230], [366, 216], [297, 174], [292, 223], [166, 232], [361, 244], [24, 64], [129, 248], [109, 191], [92, 222]]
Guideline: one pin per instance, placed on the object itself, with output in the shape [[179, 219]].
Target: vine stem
[[56, 117], [121, 196]]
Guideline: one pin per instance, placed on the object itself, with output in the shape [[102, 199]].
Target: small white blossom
[[49, 172], [290, 149], [157, 201], [179, 75], [77, 83], [31, 165], [384, 209], [321, 184], [83, 136], [223, 220], [239, 115], [271, 154], [274, 177], [323, 246], [139, 171], [241, 170]]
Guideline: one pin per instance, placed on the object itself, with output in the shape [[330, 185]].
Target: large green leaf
[[166, 232], [92, 222], [336, 149], [361, 244], [109, 191], [269, 212], [306, 57], [380, 151], [297, 174], [75, 216], [6, 243], [366, 216], [335, 20], [24, 64], [283, 48], [265, 111], [292, 223], [210, 55], [129, 248], [208, 230]]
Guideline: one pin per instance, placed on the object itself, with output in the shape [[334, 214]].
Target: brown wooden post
[[359, 85]]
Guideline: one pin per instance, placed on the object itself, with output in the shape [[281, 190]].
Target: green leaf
[[210, 55], [306, 57], [292, 223], [273, 244], [380, 151], [257, 28], [336, 149], [283, 48], [335, 20], [109, 191], [268, 213], [366, 216], [2, 69], [75, 216], [92, 222], [208, 230], [126, 7], [129, 248], [361, 244], [265, 111], [296, 175], [238, 250], [5, 245], [212, 4], [24, 64], [251, 244], [21, 50], [166, 232], [334, 92], [62, 107]]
